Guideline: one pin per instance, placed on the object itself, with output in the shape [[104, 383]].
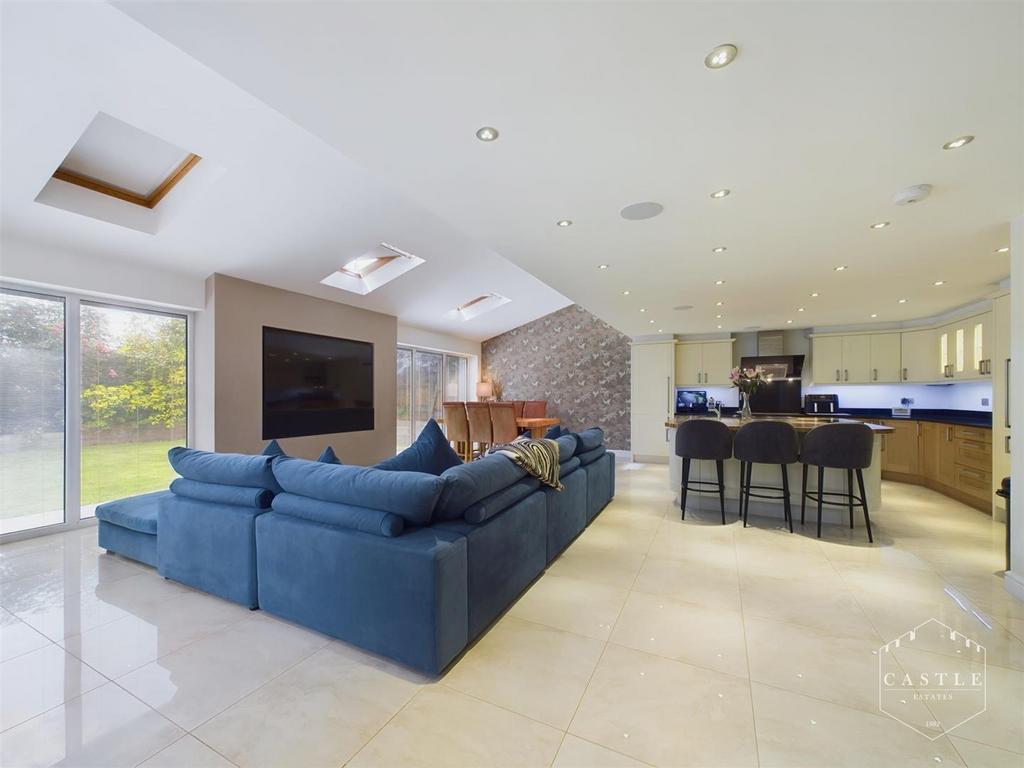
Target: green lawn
[[31, 480]]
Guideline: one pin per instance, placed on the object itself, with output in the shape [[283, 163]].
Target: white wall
[[113, 279], [410, 335]]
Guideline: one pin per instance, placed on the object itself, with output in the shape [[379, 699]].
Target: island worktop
[[800, 423]]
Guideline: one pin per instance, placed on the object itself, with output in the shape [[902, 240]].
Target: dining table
[[537, 425]]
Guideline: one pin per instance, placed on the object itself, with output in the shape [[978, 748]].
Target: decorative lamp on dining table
[[484, 390]]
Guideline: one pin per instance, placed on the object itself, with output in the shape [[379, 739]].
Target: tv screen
[[315, 385]]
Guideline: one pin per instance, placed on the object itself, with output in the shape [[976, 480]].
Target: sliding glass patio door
[[91, 398], [425, 380]]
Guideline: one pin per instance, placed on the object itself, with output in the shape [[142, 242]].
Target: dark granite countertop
[[941, 415]]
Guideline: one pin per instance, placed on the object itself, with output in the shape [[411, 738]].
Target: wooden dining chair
[[535, 409], [479, 417], [503, 422], [520, 405], [457, 427]]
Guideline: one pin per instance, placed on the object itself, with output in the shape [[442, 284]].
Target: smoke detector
[[914, 194]]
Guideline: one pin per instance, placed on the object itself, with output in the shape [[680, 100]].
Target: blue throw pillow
[[554, 432], [273, 449], [589, 439], [329, 456], [430, 453]]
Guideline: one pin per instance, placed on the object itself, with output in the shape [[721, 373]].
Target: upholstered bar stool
[[765, 442], [456, 425], [704, 440], [846, 446], [479, 416], [503, 422]]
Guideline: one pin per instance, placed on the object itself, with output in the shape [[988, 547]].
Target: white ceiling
[[829, 109], [287, 208]]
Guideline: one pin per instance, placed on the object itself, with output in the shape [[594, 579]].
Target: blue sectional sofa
[[408, 564]]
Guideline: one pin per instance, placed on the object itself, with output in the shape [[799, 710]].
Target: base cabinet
[[952, 459]]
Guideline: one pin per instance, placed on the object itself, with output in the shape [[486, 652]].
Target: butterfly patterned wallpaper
[[572, 359]]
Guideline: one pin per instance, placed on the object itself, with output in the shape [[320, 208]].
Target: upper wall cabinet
[[861, 358], [964, 348], [705, 363], [920, 356]]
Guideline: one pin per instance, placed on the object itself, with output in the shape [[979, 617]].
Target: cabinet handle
[[949, 434], [1006, 444], [874, 374], [972, 473], [1006, 414], [837, 374], [846, 374], [905, 374]]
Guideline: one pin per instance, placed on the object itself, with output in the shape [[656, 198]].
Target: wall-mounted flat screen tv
[[315, 385]]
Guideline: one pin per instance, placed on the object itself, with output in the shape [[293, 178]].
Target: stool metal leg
[[803, 496], [864, 503], [821, 489], [746, 505], [785, 497], [683, 489], [849, 491], [720, 466]]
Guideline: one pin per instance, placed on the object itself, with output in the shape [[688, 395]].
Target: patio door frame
[[413, 350], [73, 393]]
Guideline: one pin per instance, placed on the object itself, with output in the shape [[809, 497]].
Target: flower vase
[[745, 406]]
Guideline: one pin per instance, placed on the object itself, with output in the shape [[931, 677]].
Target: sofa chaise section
[[129, 526]]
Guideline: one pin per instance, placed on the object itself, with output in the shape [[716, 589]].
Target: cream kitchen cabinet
[[860, 358], [919, 355], [885, 357], [704, 363], [827, 359], [652, 399], [965, 348]]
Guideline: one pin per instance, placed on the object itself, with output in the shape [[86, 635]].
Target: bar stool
[[846, 446], [765, 442], [704, 440]]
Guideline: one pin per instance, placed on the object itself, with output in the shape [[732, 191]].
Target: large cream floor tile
[[598, 563], [202, 679], [693, 543], [625, 533], [690, 582], [529, 668], [667, 713], [804, 603], [907, 583], [442, 727], [1002, 723], [814, 662], [794, 731], [696, 634], [871, 555], [319, 712], [977, 755], [73, 576], [573, 605], [105, 728], [579, 753], [126, 644], [17, 637], [187, 752], [37, 681], [785, 563]]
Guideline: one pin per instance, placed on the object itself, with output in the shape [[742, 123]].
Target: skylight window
[[481, 304], [372, 270]]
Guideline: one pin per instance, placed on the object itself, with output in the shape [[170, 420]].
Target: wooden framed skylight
[[121, 161], [481, 304], [373, 269]]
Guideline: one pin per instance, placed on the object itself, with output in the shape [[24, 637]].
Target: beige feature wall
[[240, 310]]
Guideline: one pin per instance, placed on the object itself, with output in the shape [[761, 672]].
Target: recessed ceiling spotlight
[[902, 301], [564, 222], [719, 303], [841, 268], [789, 322], [814, 295], [719, 249], [643, 309], [874, 314], [1004, 249], [721, 56], [487, 133], [719, 327], [960, 141], [641, 211], [721, 193], [939, 282], [602, 266], [625, 293], [880, 225], [718, 317], [651, 322], [719, 282], [799, 309], [660, 330]]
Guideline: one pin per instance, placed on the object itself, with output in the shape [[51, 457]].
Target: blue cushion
[[127, 543], [429, 453], [273, 449], [373, 521], [567, 445], [568, 466], [410, 495], [554, 432], [329, 456], [467, 484], [589, 439], [224, 468], [487, 508], [238, 496], [591, 456], [136, 513]]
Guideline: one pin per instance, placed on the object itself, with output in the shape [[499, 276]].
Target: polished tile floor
[[651, 641]]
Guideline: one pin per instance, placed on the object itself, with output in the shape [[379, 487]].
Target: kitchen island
[[769, 474]]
